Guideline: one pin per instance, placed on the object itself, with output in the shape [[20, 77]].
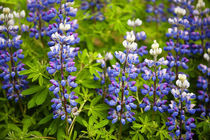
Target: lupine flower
[[159, 88], [121, 78], [156, 11], [62, 57], [179, 42], [10, 54], [41, 13], [103, 75], [178, 110], [96, 8]]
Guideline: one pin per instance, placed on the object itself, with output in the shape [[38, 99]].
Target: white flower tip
[[6, 10]]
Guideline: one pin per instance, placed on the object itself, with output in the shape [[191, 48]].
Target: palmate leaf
[[97, 110]]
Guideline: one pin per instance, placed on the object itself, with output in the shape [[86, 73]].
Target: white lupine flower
[[10, 16], [22, 14], [155, 45], [133, 46], [186, 84], [55, 36], [192, 106], [196, 12], [54, 48], [71, 38], [206, 56], [170, 30], [6, 10], [100, 60], [208, 50], [131, 23], [1, 16], [155, 49], [200, 4], [130, 37], [182, 81], [170, 21], [138, 22], [108, 56], [128, 45], [175, 92], [16, 14], [69, 4], [182, 77], [184, 94], [2, 28], [180, 11], [179, 83], [64, 27], [11, 22]]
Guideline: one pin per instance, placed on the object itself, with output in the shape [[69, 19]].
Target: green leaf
[[101, 124], [60, 133], [45, 119], [32, 102], [41, 97], [41, 80], [75, 135], [14, 127], [32, 90], [91, 84], [25, 72]]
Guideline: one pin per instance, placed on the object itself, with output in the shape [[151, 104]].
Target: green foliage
[[36, 121]]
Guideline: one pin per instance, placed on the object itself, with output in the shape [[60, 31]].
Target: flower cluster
[[41, 12], [156, 10], [62, 57], [10, 54], [179, 43], [178, 110], [95, 8], [202, 84], [139, 36], [103, 75], [130, 44], [121, 77], [159, 88]]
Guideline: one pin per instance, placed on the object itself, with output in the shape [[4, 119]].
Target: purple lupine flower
[[179, 108], [11, 54], [159, 88], [93, 9], [62, 56], [41, 13], [156, 11], [121, 77]]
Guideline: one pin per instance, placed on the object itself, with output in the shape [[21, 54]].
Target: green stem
[[70, 130], [122, 96]]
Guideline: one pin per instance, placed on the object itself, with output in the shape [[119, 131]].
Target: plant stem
[[180, 123], [11, 68], [105, 87], [122, 96], [176, 59], [74, 119], [63, 89]]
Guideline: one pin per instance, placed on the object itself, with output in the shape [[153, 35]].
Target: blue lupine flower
[[159, 88], [11, 54], [177, 109], [94, 9], [156, 11], [62, 57]]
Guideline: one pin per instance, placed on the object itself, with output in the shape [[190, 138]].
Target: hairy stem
[[180, 121], [122, 96], [63, 89], [70, 130], [176, 58]]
